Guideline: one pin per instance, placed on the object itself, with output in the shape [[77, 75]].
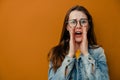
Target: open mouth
[[78, 33]]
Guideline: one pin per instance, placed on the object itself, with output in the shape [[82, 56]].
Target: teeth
[[79, 32]]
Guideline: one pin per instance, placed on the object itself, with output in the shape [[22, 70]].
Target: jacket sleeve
[[96, 67], [67, 63]]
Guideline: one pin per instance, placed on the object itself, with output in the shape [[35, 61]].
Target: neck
[[77, 46]]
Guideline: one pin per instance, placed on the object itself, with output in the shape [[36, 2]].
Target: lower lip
[[78, 35]]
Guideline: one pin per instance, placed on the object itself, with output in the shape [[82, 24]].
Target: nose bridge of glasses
[[78, 24]]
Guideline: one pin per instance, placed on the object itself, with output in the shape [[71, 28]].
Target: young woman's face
[[78, 20]]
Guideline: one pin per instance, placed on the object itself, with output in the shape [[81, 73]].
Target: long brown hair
[[58, 53]]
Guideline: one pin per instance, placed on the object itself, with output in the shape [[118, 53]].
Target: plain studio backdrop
[[29, 28]]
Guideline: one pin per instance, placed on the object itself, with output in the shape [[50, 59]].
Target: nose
[[78, 25]]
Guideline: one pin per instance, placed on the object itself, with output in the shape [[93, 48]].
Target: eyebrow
[[83, 18], [80, 19]]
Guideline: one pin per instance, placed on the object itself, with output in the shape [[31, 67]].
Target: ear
[[67, 28], [88, 28]]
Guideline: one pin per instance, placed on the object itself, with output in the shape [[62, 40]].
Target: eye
[[72, 22], [83, 21]]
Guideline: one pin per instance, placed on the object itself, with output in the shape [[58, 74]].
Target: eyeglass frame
[[80, 22]]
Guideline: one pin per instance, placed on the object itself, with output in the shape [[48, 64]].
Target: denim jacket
[[90, 67]]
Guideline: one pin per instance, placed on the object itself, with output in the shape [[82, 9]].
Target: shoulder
[[96, 48], [97, 52]]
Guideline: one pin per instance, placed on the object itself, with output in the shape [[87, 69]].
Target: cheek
[[87, 26]]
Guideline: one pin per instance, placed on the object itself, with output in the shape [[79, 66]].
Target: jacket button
[[68, 60], [89, 58]]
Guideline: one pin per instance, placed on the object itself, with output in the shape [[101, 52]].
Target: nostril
[[78, 26]]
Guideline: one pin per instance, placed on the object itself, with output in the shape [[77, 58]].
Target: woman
[[77, 56]]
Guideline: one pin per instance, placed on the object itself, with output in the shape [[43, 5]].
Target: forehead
[[77, 15]]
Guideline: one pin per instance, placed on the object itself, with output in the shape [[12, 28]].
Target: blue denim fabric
[[90, 67]]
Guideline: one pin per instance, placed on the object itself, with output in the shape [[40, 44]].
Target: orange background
[[29, 28]]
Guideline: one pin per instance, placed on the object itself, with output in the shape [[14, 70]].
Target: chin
[[78, 40]]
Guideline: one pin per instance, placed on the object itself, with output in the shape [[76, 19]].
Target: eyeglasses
[[74, 22]]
